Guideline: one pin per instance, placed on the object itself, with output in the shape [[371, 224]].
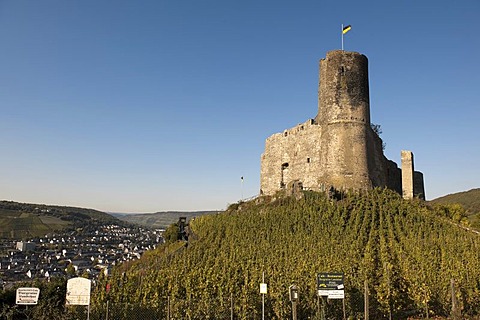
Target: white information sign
[[27, 296], [263, 288], [78, 291], [332, 294], [323, 293]]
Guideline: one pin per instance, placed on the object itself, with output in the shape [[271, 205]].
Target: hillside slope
[[25, 220], [469, 200], [404, 251], [160, 220]]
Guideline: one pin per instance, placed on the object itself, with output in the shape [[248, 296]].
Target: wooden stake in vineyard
[[366, 300]]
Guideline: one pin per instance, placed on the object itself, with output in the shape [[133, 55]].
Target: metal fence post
[[106, 314], [231, 306], [456, 314], [294, 310], [366, 306], [168, 308], [323, 315], [318, 305]]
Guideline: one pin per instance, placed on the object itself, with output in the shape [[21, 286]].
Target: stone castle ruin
[[338, 149]]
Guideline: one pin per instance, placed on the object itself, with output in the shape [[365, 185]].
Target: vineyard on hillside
[[407, 253]]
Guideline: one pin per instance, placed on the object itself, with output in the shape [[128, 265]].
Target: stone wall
[[292, 155], [393, 176], [418, 185]]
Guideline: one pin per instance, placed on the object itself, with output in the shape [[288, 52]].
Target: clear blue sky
[[144, 106]]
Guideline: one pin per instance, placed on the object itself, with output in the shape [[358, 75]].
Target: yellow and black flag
[[345, 30]]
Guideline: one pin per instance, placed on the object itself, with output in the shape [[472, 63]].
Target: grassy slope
[[22, 220], [470, 200], [161, 220], [405, 252], [19, 225]]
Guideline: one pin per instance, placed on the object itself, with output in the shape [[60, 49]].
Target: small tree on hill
[[172, 233]]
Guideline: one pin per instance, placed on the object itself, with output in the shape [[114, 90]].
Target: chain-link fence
[[356, 304]]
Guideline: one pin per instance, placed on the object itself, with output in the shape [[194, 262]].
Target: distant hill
[[159, 220], [25, 220], [469, 200]]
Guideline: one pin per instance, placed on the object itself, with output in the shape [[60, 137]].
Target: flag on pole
[[241, 179], [346, 29]]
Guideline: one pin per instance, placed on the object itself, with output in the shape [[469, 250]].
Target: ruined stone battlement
[[338, 148]]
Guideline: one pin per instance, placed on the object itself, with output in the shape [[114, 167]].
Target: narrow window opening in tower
[[308, 160], [282, 181], [342, 70], [286, 133]]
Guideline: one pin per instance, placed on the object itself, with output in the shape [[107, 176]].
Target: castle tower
[[338, 148], [344, 115]]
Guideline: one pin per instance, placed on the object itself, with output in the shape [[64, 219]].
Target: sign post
[[263, 291], [78, 292], [27, 297], [293, 294], [107, 289], [331, 286]]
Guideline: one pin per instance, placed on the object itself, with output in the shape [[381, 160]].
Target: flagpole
[[242, 186], [342, 36]]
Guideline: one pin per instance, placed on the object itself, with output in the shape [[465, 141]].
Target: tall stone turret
[[344, 115], [343, 91]]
